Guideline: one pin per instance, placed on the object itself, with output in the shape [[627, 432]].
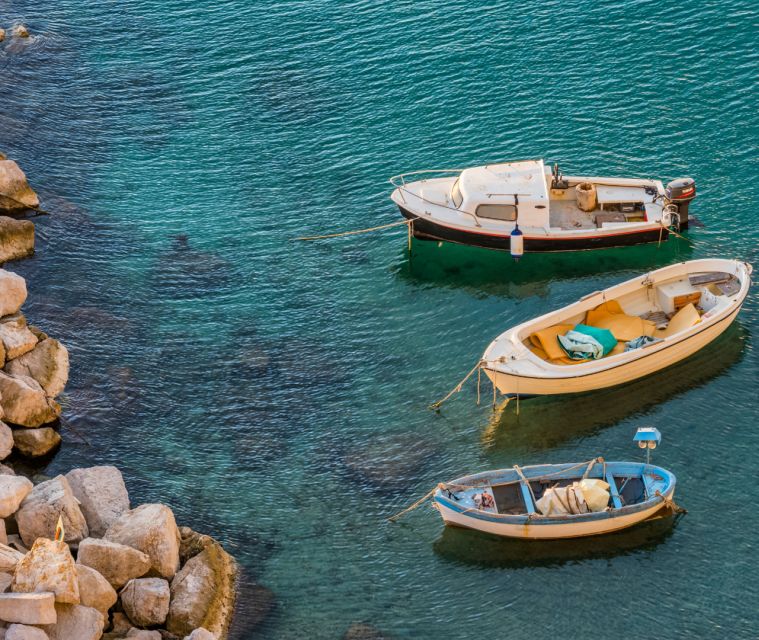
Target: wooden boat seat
[[610, 315], [686, 318]]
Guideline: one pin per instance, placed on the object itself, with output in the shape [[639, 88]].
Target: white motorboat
[[653, 320], [499, 206]]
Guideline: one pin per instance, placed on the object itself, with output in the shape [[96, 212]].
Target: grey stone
[[102, 496], [146, 601], [38, 515], [28, 608], [117, 563], [47, 363]]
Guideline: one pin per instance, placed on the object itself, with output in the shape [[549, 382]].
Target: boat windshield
[[456, 194]]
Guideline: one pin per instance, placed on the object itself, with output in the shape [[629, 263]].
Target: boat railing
[[399, 182]]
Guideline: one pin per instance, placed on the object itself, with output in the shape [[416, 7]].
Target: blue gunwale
[[489, 478]]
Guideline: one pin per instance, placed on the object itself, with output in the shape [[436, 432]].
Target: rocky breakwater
[[16, 197], [34, 372], [113, 572]]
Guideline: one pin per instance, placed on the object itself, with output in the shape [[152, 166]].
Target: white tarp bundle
[[580, 497]]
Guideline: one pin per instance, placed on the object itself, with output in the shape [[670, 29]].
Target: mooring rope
[[421, 500], [457, 388], [670, 503], [357, 231]]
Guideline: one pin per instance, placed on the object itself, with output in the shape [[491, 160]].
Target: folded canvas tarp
[[587, 343], [585, 496]]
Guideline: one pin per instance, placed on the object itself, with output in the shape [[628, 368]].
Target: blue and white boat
[[553, 501]]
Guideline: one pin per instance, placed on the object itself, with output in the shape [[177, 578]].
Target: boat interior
[[640, 318], [507, 495], [601, 202]]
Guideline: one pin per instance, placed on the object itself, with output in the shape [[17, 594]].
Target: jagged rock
[[203, 593], [102, 496], [16, 194], [5, 582], [24, 632], [20, 31], [41, 335], [38, 515], [117, 563], [121, 624], [17, 339], [75, 621], [28, 608], [5, 433], [48, 567], [35, 443], [151, 528], [94, 590], [13, 491], [9, 558], [47, 363], [201, 634], [25, 403], [16, 238], [142, 634], [12, 285], [14, 541], [146, 601]]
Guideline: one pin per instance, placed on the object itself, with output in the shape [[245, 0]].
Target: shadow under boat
[[467, 546], [496, 273], [546, 422]]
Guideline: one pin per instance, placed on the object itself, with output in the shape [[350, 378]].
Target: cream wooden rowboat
[[685, 306]]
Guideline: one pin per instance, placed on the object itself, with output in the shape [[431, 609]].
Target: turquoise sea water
[[275, 393]]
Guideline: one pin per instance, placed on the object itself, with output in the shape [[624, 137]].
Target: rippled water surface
[[275, 393]]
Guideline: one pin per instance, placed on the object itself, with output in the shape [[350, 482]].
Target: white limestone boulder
[[48, 567], [16, 337], [150, 528], [34, 443], [17, 195], [13, 491], [16, 238], [75, 622], [12, 288], [47, 363], [38, 514], [203, 593], [102, 496], [5, 582], [28, 608], [94, 590], [9, 558], [25, 632], [146, 601], [6, 438], [201, 634], [117, 563], [25, 403]]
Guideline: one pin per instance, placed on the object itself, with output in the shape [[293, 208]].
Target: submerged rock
[[102, 496], [25, 403], [151, 528], [16, 238], [38, 515], [48, 567], [146, 601], [363, 631], [117, 563], [20, 31], [75, 621], [47, 362], [35, 443], [15, 192], [13, 490], [203, 593], [28, 608]]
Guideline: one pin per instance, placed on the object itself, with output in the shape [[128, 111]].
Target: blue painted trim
[[527, 497], [613, 490]]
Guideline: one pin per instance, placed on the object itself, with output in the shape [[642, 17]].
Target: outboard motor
[[680, 192]]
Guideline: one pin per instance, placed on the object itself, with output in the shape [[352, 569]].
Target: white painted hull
[[548, 532], [519, 385]]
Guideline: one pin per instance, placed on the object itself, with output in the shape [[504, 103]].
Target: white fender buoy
[[517, 243]]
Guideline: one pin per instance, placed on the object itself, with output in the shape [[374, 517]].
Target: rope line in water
[[457, 388], [357, 231], [421, 500]]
